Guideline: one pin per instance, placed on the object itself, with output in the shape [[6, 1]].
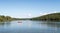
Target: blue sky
[[28, 8]]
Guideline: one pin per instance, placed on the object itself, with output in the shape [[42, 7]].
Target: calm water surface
[[28, 26]]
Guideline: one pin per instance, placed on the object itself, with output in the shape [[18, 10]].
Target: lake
[[28, 26]]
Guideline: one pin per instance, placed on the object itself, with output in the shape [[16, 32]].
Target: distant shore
[[49, 17]]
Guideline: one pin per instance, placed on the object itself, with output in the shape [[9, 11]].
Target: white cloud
[[48, 12]]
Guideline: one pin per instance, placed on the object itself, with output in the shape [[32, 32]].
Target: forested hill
[[8, 18], [53, 16], [5, 18]]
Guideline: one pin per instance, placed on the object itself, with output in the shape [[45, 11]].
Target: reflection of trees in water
[[54, 24], [2, 23], [51, 23], [5, 23]]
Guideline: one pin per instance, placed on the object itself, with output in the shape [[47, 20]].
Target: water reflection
[[52, 23], [30, 27], [4, 24]]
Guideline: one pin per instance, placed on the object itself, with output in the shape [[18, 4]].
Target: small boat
[[19, 22]]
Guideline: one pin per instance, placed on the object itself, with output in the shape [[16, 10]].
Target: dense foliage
[[52, 17], [5, 18], [8, 18]]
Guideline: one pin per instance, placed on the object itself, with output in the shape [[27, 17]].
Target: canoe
[[19, 22]]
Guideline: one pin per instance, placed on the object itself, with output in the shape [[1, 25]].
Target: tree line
[[5, 18], [50, 17]]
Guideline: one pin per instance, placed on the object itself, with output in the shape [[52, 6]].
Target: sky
[[28, 8]]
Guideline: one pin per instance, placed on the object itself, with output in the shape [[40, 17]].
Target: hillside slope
[[53, 16]]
